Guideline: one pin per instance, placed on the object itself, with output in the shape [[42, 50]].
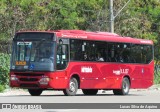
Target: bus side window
[[62, 57], [111, 52], [76, 53], [147, 53]]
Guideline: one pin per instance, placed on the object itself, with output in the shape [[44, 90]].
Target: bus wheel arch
[[125, 86], [127, 76], [76, 76], [73, 86]]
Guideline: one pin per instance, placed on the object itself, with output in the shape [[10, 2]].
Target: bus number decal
[[121, 71], [86, 69], [117, 72]]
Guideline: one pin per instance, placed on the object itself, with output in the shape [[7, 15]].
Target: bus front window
[[33, 55], [42, 52]]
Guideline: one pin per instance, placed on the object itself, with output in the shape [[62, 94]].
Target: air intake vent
[[28, 79], [28, 74]]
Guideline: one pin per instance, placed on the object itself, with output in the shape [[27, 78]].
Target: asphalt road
[[135, 96]]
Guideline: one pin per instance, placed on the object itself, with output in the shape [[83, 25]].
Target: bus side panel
[[99, 75], [111, 75], [148, 75], [82, 70], [95, 75], [136, 76], [59, 80], [142, 75]]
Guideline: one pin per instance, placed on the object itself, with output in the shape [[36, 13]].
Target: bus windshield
[[37, 55]]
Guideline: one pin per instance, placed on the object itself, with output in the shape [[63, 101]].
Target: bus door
[[62, 54], [62, 61]]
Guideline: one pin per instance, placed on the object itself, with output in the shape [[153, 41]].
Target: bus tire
[[35, 92], [90, 91], [124, 89], [73, 87]]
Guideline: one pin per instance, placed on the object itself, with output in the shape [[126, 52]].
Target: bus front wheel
[[124, 89], [35, 92], [73, 87], [90, 91]]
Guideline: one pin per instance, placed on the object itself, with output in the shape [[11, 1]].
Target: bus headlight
[[13, 78], [44, 80]]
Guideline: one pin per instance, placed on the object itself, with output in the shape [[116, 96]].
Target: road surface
[[135, 96]]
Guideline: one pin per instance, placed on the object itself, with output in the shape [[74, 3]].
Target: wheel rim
[[125, 86], [72, 86]]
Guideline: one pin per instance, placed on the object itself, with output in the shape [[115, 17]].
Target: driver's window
[[62, 56]]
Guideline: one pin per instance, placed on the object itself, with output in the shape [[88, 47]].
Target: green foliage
[[157, 77], [2, 88], [139, 19], [4, 69]]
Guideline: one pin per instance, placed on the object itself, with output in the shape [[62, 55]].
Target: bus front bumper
[[45, 81]]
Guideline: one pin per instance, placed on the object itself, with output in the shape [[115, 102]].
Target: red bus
[[69, 60]]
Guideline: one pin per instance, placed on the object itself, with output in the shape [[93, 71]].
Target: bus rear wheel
[[124, 89], [90, 91], [35, 92], [73, 87]]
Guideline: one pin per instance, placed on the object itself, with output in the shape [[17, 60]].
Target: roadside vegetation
[[4, 71]]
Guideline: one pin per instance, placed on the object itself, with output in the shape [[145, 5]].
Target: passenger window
[[101, 51], [76, 50], [88, 49], [112, 52], [147, 52], [126, 54], [137, 53]]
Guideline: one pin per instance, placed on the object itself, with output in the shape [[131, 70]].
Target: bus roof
[[99, 36]]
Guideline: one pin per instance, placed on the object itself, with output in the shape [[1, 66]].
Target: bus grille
[[28, 74], [28, 79]]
